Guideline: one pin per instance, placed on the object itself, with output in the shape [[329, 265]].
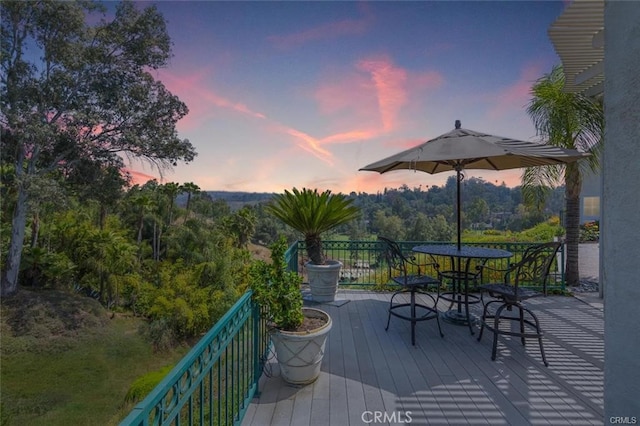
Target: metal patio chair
[[406, 272], [522, 280]]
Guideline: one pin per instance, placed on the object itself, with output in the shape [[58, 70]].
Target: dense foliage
[[420, 214], [182, 269], [77, 95]]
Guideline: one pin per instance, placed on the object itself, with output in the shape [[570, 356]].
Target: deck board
[[449, 380]]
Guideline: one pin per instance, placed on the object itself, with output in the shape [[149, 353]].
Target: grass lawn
[[66, 361]]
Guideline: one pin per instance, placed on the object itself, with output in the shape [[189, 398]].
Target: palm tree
[[312, 213], [190, 188], [568, 120]]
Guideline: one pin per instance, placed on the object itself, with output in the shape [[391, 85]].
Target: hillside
[[68, 361]]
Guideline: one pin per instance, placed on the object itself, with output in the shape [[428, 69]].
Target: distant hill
[[236, 200], [245, 197]]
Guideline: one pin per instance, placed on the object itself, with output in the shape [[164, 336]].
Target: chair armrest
[[411, 260], [503, 271]]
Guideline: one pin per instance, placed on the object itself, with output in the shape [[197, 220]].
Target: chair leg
[[413, 311], [466, 307], [544, 358], [539, 332], [435, 307], [438, 321], [522, 339], [484, 318], [496, 327], [389, 317], [413, 317]]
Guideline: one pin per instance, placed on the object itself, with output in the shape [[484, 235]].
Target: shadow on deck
[[452, 380]]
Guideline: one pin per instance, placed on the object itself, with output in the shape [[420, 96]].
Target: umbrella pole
[[458, 179]]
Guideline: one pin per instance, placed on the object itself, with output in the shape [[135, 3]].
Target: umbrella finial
[[458, 124]]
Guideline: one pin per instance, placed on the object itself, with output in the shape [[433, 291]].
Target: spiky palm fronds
[[312, 213]]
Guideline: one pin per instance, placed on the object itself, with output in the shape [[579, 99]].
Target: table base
[[458, 318]]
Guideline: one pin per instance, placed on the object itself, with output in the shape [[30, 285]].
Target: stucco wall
[[620, 236]]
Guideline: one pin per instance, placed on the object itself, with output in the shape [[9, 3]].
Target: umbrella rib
[[492, 164]]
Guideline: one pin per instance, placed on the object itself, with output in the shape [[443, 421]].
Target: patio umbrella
[[467, 149]]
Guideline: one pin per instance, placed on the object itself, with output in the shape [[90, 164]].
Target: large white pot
[[300, 354], [323, 280]]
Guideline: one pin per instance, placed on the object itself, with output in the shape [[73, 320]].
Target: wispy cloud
[[425, 80], [326, 31], [368, 101], [389, 82], [516, 95], [315, 146], [200, 96], [310, 144], [139, 178], [402, 144]]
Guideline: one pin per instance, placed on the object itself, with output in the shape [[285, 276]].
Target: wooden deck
[[368, 371]]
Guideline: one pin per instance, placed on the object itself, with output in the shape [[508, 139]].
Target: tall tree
[[75, 87], [190, 188], [568, 120], [242, 225]]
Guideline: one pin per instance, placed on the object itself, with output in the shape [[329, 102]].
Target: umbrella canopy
[[467, 149]]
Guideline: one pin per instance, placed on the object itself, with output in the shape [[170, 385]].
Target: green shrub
[[277, 289], [541, 232], [545, 231], [160, 333], [590, 231], [142, 386]]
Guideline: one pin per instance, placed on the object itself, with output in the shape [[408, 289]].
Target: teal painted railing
[[363, 266], [214, 383]]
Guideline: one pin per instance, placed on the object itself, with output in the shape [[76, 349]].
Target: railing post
[[257, 345], [561, 266]]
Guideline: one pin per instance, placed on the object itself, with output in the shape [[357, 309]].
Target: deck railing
[[364, 267], [214, 383]]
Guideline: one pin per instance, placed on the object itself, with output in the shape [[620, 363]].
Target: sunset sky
[[285, 94]]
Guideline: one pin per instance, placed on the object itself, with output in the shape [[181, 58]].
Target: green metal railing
[[214, 383], [364, 267]]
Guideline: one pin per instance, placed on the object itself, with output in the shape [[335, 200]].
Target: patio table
[[460, 276]]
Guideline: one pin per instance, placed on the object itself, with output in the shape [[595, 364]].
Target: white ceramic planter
[[323, 280], [300, 354]]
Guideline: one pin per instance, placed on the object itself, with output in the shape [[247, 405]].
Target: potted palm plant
[[312, 213], [298, 333]]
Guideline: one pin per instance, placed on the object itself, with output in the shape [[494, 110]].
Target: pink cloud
[[346, 92], [517, 95], [315, 145], [389, 82], [199, 97], [310, 144], [139, 178], [402, 144], [369, 101], [350, 136], [425, 80], [375, 93]]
